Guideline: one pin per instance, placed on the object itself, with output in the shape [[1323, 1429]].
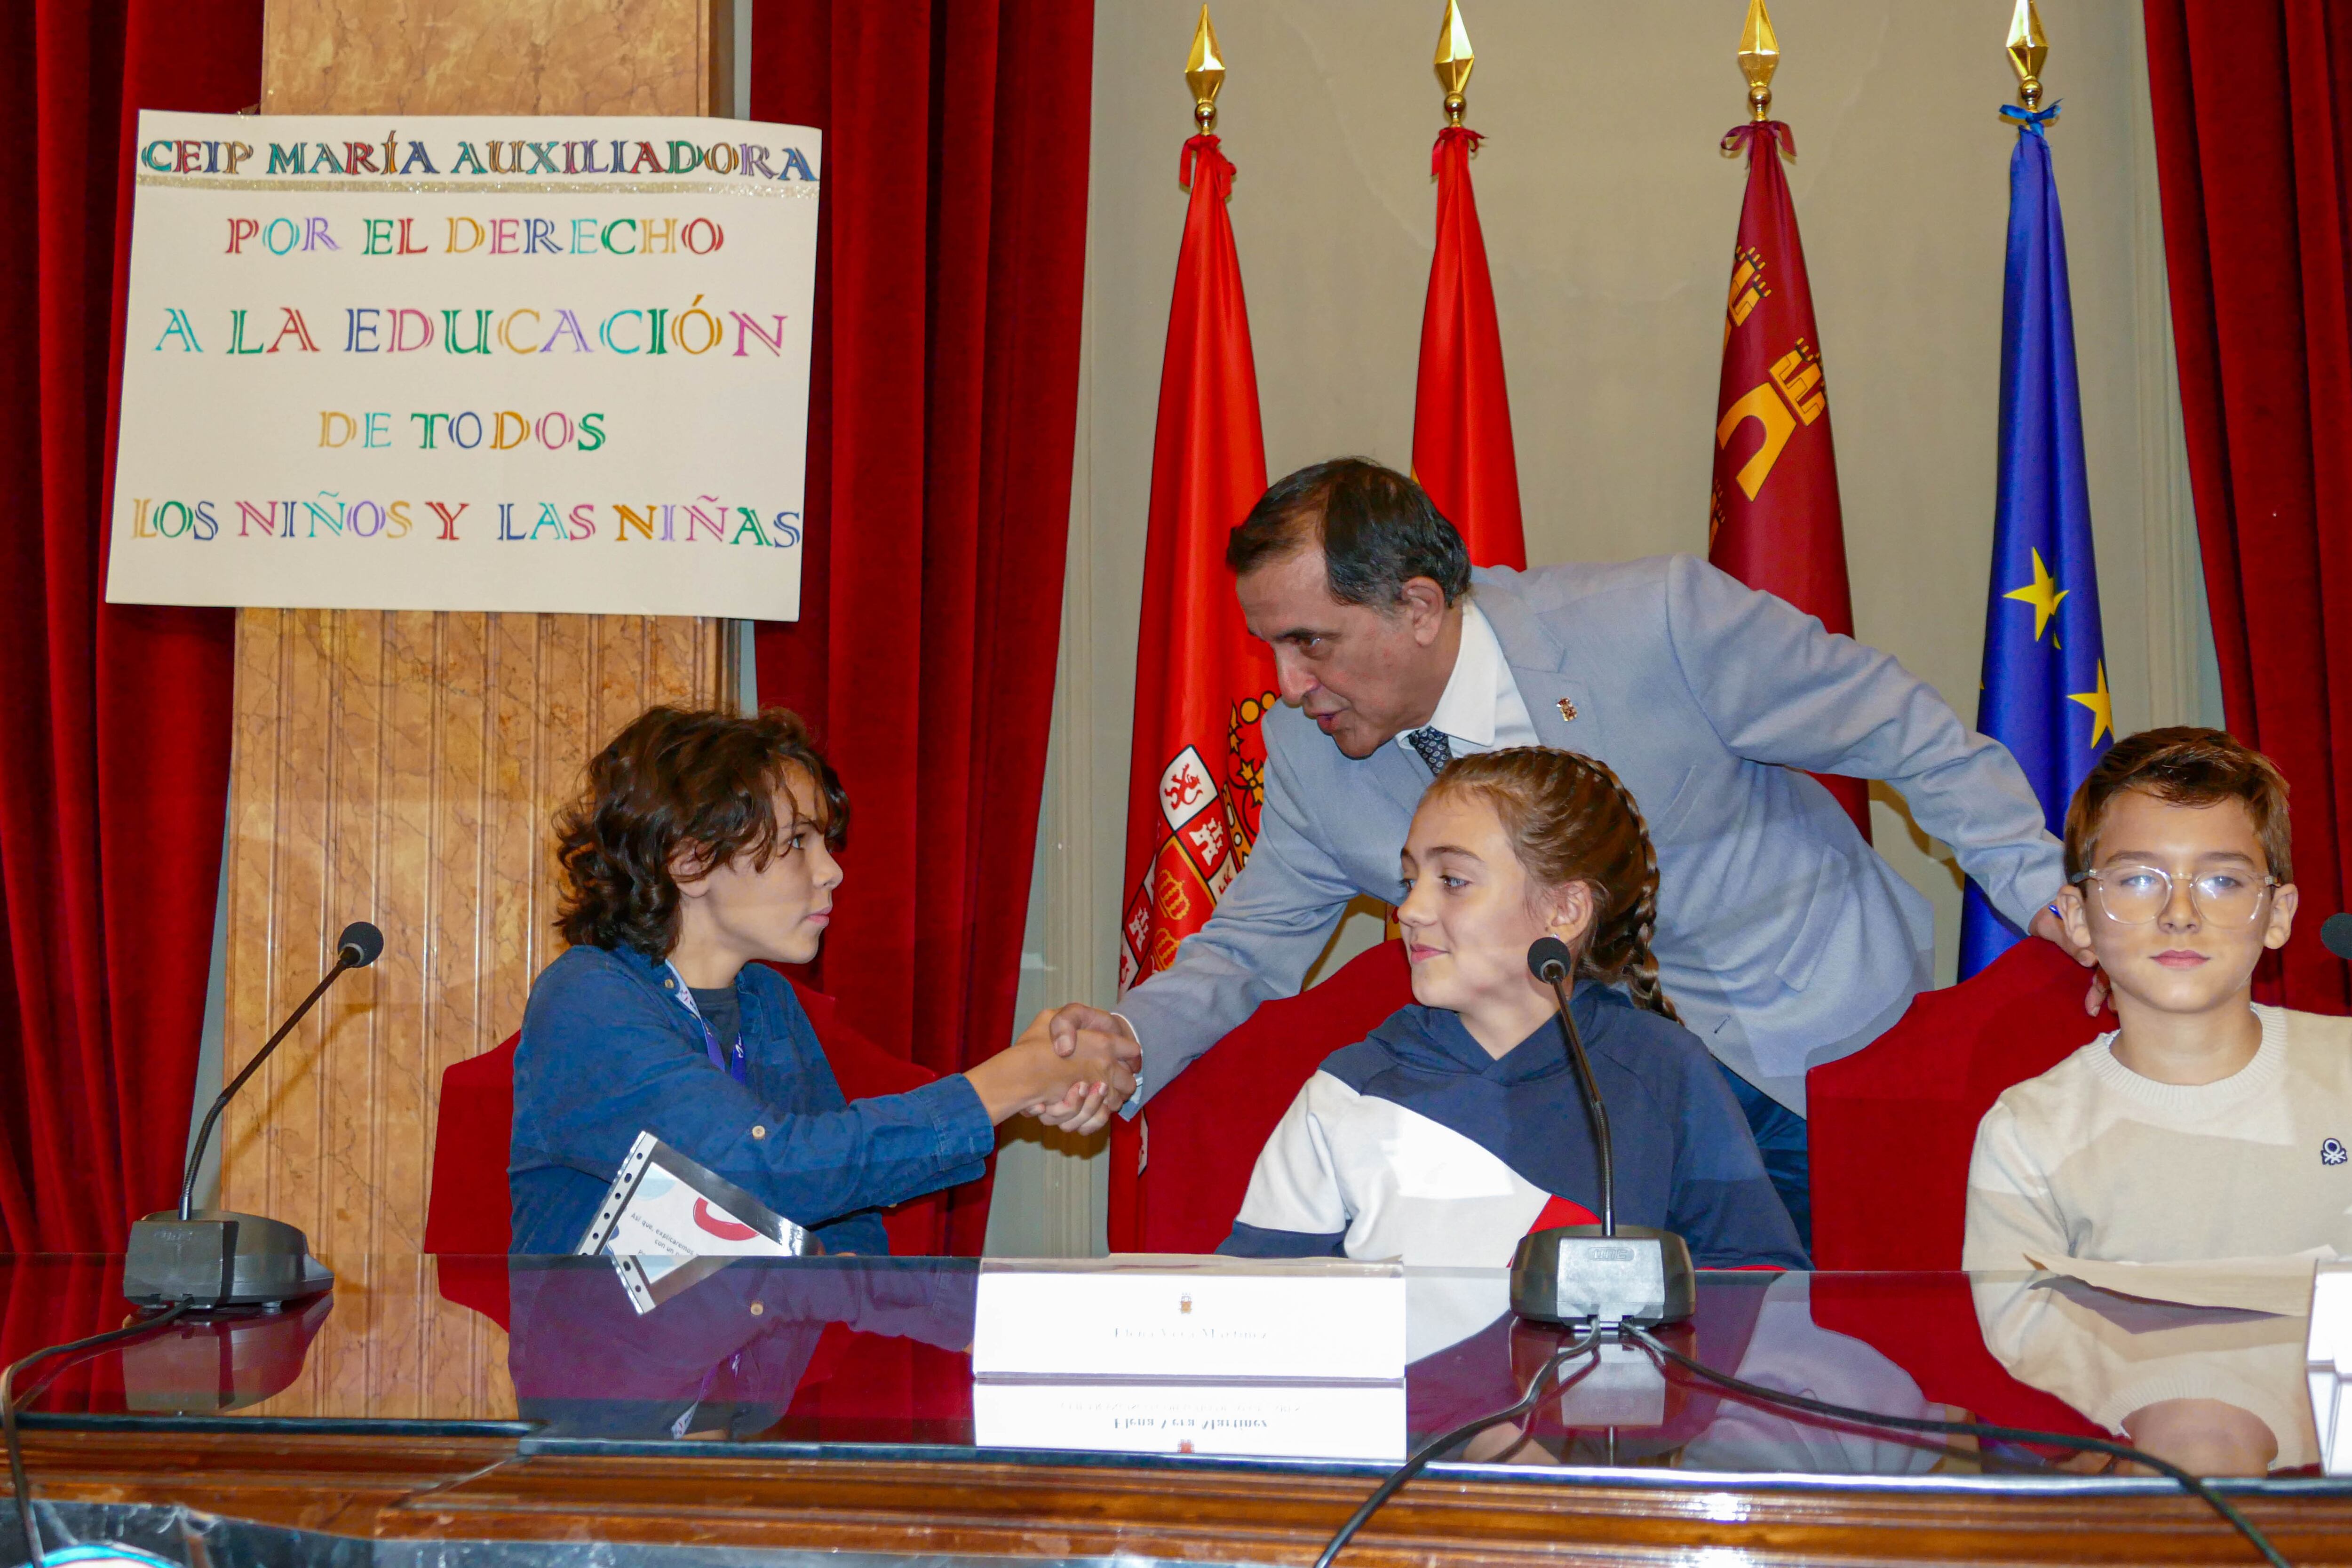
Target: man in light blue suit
[[1782, 937]]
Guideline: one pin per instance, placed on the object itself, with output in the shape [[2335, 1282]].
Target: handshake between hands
[[1075, 1066], [1098, 1057]]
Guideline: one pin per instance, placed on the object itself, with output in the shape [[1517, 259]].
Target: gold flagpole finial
[[1453, 62], [1759, 57], [1204, 73], [2029, 45]]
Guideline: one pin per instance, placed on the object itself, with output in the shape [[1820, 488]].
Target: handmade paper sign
[[467, 364]]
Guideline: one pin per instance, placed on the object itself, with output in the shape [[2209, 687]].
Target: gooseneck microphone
[[1598, 1274], [1552, 963], [210, 1257], [2335, 935], [358, 947]]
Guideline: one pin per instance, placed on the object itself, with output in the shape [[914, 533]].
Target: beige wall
[[1609, 216]]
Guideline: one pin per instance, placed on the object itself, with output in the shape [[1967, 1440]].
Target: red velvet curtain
[[2254, 137], [942, 411], [114, 722]]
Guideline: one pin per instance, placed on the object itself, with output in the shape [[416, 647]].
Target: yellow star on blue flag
[[2043, 594], [2102, 706]]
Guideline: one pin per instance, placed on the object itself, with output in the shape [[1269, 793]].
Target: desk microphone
[[2335, 935], [1582, 1273], [210, 1257]]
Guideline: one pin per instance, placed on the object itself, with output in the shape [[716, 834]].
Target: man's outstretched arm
[[1780, 689], [1268, 928]]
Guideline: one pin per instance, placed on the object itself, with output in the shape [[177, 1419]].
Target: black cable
[[1534, 1394], [2195, 1485], [34, 1554]]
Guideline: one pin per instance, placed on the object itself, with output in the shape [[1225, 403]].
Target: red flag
[[1773, 522], [1462, 450], [1197, 773]]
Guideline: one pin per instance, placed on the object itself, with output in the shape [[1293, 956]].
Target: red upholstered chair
[[1207, 1127], [469, 1209], [1893, 1125]]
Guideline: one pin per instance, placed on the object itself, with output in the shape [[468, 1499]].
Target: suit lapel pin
[[1567, 711]]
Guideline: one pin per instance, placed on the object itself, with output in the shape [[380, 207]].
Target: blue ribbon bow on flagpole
[[2045, 680], [2032, 120]]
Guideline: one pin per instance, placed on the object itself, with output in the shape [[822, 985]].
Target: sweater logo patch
[[2332, 1152]]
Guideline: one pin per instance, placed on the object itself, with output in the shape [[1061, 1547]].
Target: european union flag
[[2045, 674]]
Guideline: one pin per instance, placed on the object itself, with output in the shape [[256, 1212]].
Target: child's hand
[[1087, 1108], [1030, 1071]]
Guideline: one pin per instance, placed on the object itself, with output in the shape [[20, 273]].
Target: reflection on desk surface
[[2219, 1391], [870, 1355]]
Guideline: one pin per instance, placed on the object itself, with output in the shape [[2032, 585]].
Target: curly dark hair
[[678, 778]]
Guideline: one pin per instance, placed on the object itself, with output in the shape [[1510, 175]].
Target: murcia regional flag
[[1773, 521], [1201, 682]]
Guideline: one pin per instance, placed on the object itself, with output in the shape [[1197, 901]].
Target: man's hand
[[1083, 1110], [2050, 928]]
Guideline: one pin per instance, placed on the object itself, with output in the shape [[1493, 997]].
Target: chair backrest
[[469, 1209], [1893, 1125], [1206, 1128]]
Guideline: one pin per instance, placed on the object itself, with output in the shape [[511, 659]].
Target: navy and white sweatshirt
[[1416, 1143]]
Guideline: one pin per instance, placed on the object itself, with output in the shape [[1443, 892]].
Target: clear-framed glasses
[[2135, 895]]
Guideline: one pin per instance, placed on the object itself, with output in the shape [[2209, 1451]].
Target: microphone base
[[1574, 1274], [216, 1258]]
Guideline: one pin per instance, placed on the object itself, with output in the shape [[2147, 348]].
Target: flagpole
[[1759, 57], [2044, 684], [2027, 47], [1453, 63], [1203, 685], [1463, 451], [1204, 73]]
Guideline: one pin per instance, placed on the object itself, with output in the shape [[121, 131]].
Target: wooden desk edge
[[402, 1486]]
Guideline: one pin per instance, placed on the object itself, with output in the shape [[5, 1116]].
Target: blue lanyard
[[731, 1061]]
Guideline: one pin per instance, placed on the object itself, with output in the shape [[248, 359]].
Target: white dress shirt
[[1482, 710]]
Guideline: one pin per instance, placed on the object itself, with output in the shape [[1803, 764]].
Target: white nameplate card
[[1260, 1420], [1144, 1315], [2327, 1363], [664, 1208]]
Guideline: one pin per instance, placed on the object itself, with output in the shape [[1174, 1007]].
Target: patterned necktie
[[1431, 743]]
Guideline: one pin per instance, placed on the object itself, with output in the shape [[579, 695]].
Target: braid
[[1571, 819], [1641, 965]]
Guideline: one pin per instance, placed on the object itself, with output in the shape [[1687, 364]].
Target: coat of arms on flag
[[1211, 824]]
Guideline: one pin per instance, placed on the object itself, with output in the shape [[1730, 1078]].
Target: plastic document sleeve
[[663, 1211]]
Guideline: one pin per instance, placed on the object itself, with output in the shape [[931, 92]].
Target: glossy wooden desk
[[816, 1431]]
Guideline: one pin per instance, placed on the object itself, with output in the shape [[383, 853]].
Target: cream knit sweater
[[2091, 1160]]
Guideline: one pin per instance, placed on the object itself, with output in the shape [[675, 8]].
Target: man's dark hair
[[1378, 531], [679, 778]]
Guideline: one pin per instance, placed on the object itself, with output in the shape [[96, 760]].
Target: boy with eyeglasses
[[2205, 1126]]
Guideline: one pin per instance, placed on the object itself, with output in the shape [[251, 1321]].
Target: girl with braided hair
[[1457, 1126]]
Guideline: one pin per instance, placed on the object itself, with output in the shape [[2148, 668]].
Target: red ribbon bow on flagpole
[[1770, 129]]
